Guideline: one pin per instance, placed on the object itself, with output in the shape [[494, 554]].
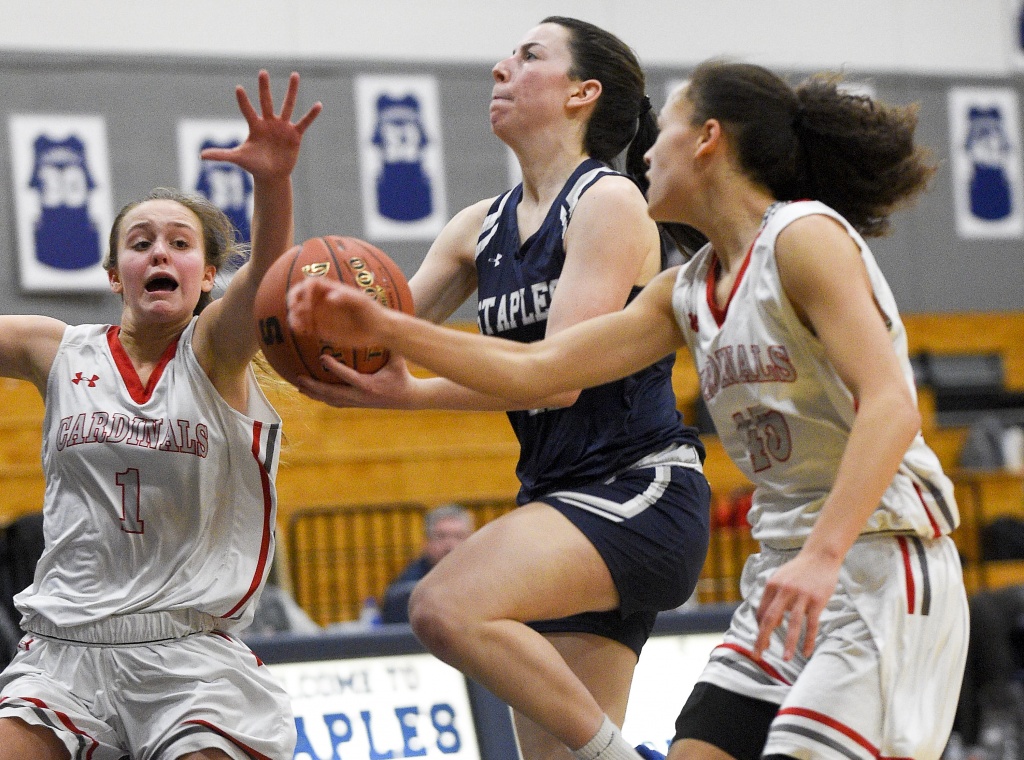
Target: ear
[[115, 280], [710, 138], [585, 93], [209, 275]]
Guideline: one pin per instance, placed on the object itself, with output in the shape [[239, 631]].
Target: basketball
[[345, 259]]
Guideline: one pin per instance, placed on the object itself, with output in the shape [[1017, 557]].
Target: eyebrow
[[148, 223], [526, 46]]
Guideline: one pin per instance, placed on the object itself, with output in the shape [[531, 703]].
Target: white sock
[[607, 744]]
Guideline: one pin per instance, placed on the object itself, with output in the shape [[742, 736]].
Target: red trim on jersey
[[713, 268], [257, 428], [936, 531], [130, 377], [64, 719], [760, 663], [230, 738], [908, 573], [226, 637], [832, 723]]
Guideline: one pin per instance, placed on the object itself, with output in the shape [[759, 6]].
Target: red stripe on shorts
[[832, 723], [908, 573]]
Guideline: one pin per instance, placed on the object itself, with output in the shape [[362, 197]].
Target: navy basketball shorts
[[650, 524]]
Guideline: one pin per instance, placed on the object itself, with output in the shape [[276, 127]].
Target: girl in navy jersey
[[851, 638], [160, 453], [613, 525]]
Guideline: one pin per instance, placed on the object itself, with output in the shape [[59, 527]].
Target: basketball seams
[[284, 296], [385, 265], [333, 244]]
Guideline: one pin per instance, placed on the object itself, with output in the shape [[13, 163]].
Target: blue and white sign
[[62, 201], [379, 708], [401, 157], [985, 157], [226, 185]]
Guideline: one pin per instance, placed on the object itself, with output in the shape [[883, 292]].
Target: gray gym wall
[[142, 98]]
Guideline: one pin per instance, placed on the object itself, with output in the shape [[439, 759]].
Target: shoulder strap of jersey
[[586, 174], [490, 225]]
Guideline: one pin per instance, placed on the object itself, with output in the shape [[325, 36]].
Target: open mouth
[[161, 285]]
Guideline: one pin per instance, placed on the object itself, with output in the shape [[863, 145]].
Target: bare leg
[[530, 564], [206, 754], [20, 740], [604, 666]]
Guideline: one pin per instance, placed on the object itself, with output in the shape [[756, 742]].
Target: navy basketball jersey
[[610, 427], [403, 185], [228, 187], [65, 235]]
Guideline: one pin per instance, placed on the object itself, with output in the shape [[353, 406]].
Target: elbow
[[913, 420], [905, 416]]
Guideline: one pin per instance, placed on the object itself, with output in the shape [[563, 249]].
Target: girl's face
[[532, 86], [670, 160], [161, 263]]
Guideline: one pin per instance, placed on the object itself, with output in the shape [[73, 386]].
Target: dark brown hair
[[622, 117], [816, 141], [219, 234]]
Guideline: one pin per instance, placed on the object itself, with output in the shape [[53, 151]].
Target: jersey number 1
[[131, 514]]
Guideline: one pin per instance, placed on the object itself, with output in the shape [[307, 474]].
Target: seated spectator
[[446, 527]]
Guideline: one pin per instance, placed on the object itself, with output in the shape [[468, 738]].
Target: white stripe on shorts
[[613, 510]]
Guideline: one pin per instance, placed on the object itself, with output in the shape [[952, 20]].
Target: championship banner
[[985, 157], [62, 201], [379, 708], [401, 158]]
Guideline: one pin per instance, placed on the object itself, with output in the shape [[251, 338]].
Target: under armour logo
[[495, 260], [78, 378], [693, 322]]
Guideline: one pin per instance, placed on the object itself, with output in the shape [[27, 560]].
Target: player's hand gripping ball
[[347, 260]]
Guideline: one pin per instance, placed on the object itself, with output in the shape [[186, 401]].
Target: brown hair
[[219, 235], [816, 141], [622, 117]]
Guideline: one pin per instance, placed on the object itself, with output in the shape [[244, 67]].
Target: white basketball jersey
[[780, 408], [157, 498]]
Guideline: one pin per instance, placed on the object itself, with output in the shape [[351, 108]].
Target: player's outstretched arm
[[28, 345], [226, 336], [590, 353]]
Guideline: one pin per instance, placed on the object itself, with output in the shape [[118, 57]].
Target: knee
[[435, 619]]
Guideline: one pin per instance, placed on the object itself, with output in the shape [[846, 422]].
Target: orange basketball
[[347, 260]]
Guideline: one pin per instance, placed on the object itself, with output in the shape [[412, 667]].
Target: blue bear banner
[[985, 157], [62, 201], [401, 157]]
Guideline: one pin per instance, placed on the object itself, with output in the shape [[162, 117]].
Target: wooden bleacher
[[353, 459]]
